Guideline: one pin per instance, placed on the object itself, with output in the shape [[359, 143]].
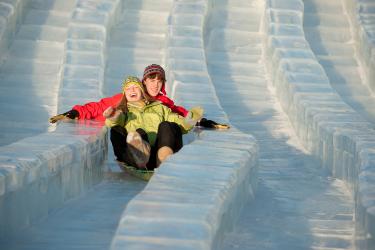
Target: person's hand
[[71, 114], [211, 124], [194, 115], [111, 113]]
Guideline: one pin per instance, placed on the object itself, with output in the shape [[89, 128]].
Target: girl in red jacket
[[154, 80]]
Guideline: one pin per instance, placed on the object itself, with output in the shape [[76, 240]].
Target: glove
[[71, 114], [194, 115], [211, 124], [109, 112], [112, 114]]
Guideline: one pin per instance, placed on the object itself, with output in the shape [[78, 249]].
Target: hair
[[155, 75], [123, 104]]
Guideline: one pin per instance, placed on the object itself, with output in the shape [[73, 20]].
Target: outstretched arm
[[186, 123], [91, 110], [71, 114], [205, 123], [114, 117]]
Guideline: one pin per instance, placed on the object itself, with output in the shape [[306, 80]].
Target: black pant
[[169, 134]]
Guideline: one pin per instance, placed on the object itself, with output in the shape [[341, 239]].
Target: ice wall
[[85, 54], [328, 127], [362, 13], [197, 194], [38, 174], [11, 15]]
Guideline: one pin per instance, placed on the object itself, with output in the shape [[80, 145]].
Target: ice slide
[[276, 70], [297, 204], [33, 40], [46, 180]]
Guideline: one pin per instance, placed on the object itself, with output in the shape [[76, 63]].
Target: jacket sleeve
[[94, 110], [171, 116], [170, 104], [118, 121]]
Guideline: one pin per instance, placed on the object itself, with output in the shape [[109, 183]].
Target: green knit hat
[[132, 80]]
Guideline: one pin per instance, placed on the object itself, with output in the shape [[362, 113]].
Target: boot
[[138, 149], [163, 154]]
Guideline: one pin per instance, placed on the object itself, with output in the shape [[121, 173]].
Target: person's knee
[[117, 132], [170, 135], [118, 138], [165, 126]]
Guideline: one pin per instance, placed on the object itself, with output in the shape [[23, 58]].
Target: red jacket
[[94, 110]]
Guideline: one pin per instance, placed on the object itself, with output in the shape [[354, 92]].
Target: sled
[[136, 172]]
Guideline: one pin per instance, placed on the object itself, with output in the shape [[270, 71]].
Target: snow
[[294, 79]]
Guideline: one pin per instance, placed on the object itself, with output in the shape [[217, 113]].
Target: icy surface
[[298, 75], [31, 68], [327, 117], [194, 197], [297, 205], [330, 35], [87, 222]]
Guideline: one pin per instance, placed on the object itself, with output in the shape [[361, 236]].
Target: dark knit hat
[[153, 69]]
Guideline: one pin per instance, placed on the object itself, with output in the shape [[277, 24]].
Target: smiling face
[[133, 93], [153, 85]]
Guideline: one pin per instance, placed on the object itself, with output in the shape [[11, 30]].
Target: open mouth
[[133, 95]]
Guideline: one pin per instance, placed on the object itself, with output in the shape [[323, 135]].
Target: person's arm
[[165, 100], [91, 110], [71, 114], [94, 110], [204, 122], [186, 123], [114, 117]]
